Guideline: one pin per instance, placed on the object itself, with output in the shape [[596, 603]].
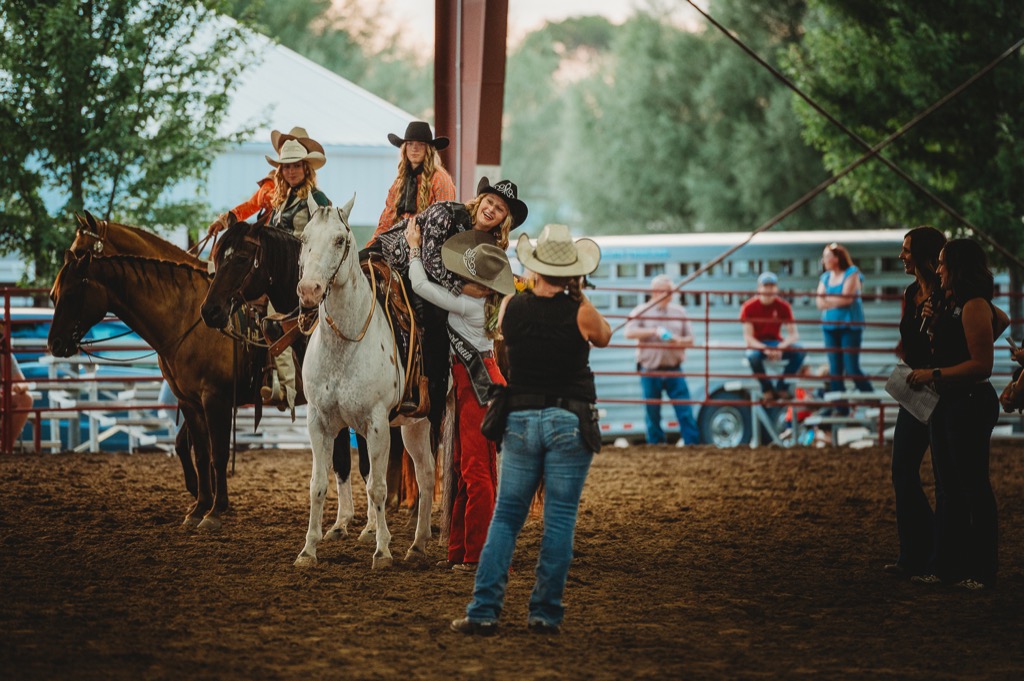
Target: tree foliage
[[669, 129], [876, 65], [105, 105]]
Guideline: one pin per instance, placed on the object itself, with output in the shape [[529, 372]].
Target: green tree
[[537, 153], [635, 134], [875, 65], [105, 105], [751, 161]]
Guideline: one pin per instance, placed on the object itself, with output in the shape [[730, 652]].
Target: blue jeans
[[845, 363], [539, 444], [794, 360], [915, 521], [676, 389], [967, 531]]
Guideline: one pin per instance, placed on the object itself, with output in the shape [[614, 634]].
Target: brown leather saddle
[[394, 299]]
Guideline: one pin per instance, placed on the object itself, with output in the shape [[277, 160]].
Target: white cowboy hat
[[473, 256], [293, 152], [556, 255]]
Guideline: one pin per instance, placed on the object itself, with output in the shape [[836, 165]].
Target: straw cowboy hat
[[277, 138], [507, 190], [473, 256], [556, 255], [418, 131], [292, 151]]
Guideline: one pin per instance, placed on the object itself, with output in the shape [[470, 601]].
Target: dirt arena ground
[[691, 564]]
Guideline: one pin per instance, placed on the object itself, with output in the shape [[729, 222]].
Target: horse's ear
[[312, 205], [80, 220], [91, 221], [347, 208]]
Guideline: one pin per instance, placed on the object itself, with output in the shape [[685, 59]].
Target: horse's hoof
[[190, 523], [417, 555], [382, 562], [335, 534], [210, 524], [368, 535], [305, 561]]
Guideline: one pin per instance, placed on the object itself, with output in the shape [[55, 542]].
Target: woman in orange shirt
[[422, 179]]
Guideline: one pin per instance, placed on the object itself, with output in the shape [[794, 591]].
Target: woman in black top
[[961, 426], [552, 432], [914, 518]]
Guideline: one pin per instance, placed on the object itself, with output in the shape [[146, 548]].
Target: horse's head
[[79, 304], [240, 273], [90, 235], [328, 252]]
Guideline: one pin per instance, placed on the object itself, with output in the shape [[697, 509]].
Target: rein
[[373, 301], [155, 351], [307, 319]]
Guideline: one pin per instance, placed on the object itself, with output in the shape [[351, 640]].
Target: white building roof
[[284, 89]]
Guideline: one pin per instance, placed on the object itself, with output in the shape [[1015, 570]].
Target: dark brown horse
[[159, 298], [252, 261]]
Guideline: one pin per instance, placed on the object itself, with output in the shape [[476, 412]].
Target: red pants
[[475, 470]]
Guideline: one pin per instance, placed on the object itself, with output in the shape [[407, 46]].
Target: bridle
[[238, 296], [100, 235], [307, 317]]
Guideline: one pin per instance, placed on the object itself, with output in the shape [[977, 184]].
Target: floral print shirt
[[438, 223]]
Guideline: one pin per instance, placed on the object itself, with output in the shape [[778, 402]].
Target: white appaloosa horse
[[353, 377]]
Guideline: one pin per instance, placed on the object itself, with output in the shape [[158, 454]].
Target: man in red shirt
[[770, 333]]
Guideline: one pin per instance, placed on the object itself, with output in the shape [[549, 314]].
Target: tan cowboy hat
[[473, 256], [293, 152], [556, 255], [277, 138]]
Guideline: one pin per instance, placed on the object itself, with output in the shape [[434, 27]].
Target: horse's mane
[[154, 238], [142, 262], [280, 248]]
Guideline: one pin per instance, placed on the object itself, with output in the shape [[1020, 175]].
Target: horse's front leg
[[378, 443], [218, 422], [417, 442], [342, 464], [200, 437], [320, 437]]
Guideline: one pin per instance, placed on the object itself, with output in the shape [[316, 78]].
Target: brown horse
[[102, 237], [159, 298]]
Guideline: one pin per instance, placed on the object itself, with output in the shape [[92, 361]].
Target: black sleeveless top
[[915, 343], [547, 355], [950, 344]]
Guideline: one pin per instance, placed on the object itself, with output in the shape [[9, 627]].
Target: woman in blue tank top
[[842, 317]]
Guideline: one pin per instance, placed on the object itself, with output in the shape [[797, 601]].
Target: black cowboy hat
[[418, 131], [508, 191]]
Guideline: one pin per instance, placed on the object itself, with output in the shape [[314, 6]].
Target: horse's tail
[[446, 462]]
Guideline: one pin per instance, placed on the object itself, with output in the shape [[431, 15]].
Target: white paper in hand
[[920, 401]]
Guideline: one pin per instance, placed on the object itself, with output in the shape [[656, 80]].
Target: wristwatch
[[936, 374]]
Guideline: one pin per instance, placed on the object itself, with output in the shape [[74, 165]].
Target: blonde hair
[[282, 188], [491, 305], [431, 162], [506, 226]]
